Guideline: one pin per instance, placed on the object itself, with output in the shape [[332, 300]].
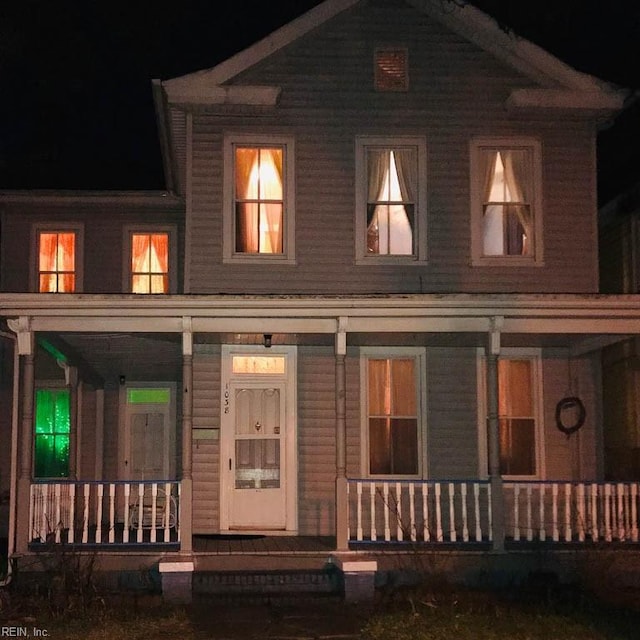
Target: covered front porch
[[360, 513]]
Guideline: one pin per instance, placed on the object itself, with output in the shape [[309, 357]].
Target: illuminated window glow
[[150, 263], [258, 365], [56, 262], [52, 433]]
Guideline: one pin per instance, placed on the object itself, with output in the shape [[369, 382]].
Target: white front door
[[258, 443], [148, 437]]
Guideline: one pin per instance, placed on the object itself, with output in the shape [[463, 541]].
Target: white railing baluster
[[476, 511], [426, 527], [387, 507], [72, 514], [465, 523], [58, 512], [554, 512], [399, 531], [348, 510], [452, 514], [178, 511], [412, 511], [607, 512], [112, 513], [542, 530], [127, 507], [372, 500], [580, 511], [490, 511], [154, 507], [167, 511], [359, 535], [529, 514], [634, 512], [99, 513], [140, 508], [85, 512], [567, 512], [438, 489], [516, 512], [620, 510], [595, 531]]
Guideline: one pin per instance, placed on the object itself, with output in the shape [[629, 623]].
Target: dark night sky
[[77, 112]]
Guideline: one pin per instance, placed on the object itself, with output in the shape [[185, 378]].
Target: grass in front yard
[[462, 619]]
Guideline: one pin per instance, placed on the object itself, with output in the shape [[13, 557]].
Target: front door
[[258, 444]]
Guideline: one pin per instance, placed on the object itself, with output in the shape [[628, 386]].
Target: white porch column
[[493, 427], [342, 507], [186, 496], [25, 459]]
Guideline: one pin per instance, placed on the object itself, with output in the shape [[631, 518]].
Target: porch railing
[[572, 511], [459, 511], [105, 513], [419, 511]]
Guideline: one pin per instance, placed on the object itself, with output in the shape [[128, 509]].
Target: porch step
[[326, 582]]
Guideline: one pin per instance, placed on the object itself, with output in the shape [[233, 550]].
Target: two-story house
[[365, 310]]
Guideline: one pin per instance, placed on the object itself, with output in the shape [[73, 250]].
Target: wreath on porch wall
[[570, 403]]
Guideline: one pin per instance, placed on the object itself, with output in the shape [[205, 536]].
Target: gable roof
[[554, 84], [561, 86]]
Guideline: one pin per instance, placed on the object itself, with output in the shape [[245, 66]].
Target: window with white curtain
[[57, 258], [390, 217], [149, 260], [392, 381], [259, 198], [505, 208]]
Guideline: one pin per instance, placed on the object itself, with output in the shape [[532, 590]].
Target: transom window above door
[[259, 199], [390, 200]]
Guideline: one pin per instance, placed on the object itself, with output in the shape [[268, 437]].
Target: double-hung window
[[392, 383], [390, 200], [150, 255], [505, 209], [259, 199], [519, 412], [57, 261]]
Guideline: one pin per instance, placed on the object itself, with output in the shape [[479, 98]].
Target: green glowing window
[[148, 396], [52, 433]]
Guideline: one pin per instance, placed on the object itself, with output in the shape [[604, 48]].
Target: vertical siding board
[[206, 453]]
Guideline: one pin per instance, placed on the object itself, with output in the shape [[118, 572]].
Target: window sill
[[506, 262], [259, 259]]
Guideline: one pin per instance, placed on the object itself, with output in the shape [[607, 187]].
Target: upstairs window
[[150, 263], [390, 221], [506, 211], [260, 220], [57, 260]]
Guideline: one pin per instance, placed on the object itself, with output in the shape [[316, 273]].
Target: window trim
[[536, 259], [420, 356], [363, 143], [34, 267], [287, 142], [379, 79], [533, 354], [127, 232]]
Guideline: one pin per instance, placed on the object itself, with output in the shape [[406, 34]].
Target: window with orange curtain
[[516, 415], [149, 262], [392, 410], [259, 200], [56, 261]]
